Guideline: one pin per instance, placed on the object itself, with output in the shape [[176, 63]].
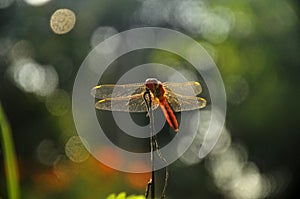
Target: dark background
[[255, 45]]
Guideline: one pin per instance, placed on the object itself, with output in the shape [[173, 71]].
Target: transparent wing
[[184, 88], [184, 103], [125, 90], [134, 103]]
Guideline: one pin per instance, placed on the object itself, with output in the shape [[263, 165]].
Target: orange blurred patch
[[106, 169], [138, 180], [48, 181], [110, 156]]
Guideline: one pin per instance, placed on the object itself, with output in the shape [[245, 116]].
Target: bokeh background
[[255, 45]]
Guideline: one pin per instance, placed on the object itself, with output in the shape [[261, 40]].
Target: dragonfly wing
[[185, 103], [184, 88], [114, 90], [134, 103]]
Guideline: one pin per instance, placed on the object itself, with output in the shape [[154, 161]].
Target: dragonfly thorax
[[155, 87]]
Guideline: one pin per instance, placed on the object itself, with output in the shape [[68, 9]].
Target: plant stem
[[152, 143], [9, 157], [153, 168]]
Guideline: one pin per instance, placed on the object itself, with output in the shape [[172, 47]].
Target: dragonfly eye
[[152, 83]]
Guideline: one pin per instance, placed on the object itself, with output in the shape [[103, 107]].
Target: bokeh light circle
[[36, 2], [75, 150], [62, 21], [83, 105]]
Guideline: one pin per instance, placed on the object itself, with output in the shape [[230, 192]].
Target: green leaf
[[111, 196], [122, 195], [9, 157], [136, 197]]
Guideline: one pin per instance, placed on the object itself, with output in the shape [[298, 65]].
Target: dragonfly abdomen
[[169, 114]]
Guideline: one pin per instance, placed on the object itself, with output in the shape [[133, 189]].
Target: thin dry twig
[[151, 182], [154, 146]]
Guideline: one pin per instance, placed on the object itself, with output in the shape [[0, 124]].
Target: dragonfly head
[[152, 84], [155, 87]]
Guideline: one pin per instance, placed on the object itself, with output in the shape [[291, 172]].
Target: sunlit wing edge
[[106, 104], [193, 101], [174, 86], [123, 88]]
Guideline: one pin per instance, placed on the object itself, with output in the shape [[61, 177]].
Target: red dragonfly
[[169, 96]]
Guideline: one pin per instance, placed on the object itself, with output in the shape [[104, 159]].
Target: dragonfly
[[169, 96]]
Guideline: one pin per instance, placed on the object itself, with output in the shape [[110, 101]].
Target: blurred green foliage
[[255, 45]]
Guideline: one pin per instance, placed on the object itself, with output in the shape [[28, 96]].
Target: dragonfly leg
[[148, 188]]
